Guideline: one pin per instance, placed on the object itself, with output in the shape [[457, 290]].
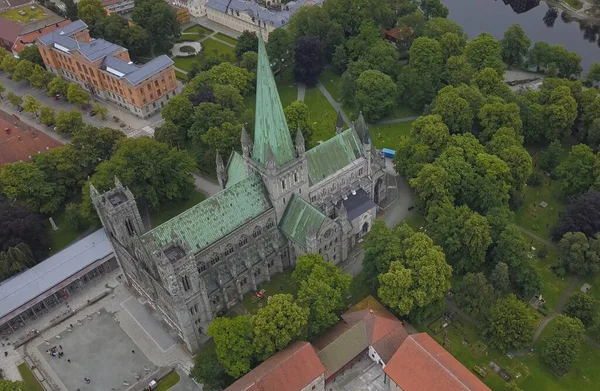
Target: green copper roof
[[217, 216], [270, 127], [332, 155], [298, 217], [236, 170]]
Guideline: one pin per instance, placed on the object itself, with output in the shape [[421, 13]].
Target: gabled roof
[[217, 216], [421, 364], [299, 216], [332, 155], [292, 369], [18, 144], [348, 344], [30, 36], [236, 169], [270, 126], [9, 31]]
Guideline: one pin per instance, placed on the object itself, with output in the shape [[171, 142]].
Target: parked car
[[92, 113], [57, 97]]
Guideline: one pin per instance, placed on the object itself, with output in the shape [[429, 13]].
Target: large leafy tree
[[582, 215], [57, 86], [381, 247], [583, 307], [62, 166], [26, 183], [434, 8], [515, 45], [15, 259], [159, 21], [39, 77], [509, 325], [500, 278], [375, 94], [171, 134], [578, 255], [234, 343], [180, 111], [297, 115], [23, 70], [92, 13], [71, 9], [475, 295], [309, 60], [277, 324], [511, 247], [561, 346], [247, 42], [550, 158], [422, 78], [496, 115], [322, 290], [577, 172], [76, 95], [485, 52], [209, 372], [68, 122], [19, 224], [95, 145], [225, 74], [32, 54], [8, 385], [223, 139], [454, 110]]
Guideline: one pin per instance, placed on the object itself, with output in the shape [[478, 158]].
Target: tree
[[249, 61], [209, 372], [576, 255], [438, 27], [540, 55], [57, 86], [582, 215], [228, 97], [136, 39], [510, 324], [434, 8], [577, 172], [73, 217], [208, 115], [9, 64], [490, 82], [593, 75], [31, 105], [224, 138], [322, 290], [309, 60], [95, 145], [593, 135], [423, 77], [463, 234], [381, 247], [47, 115], [475, 295], [375, 94], [171, 134], [550, 158], [280, 48], [234, 343], [485, 52], [92, 13], [452, 45], [111, 27], [277, 324], [39, 77], [76, 95], [499, 278], [71, 10], [297, 115], [560, 349], [418, 278], [454, 110], [19, 224], [494, 116], [582, 307], [68, 122], [511, 247], [459, 70], [15, 259], [561, 113], [432, 185], [25, 183], [8, 385], [180, 111], [150, 169], [159, 21], [32, 54], [247, 42], [63, 167], [568, 63], [225, 74], [515, 45], [100, 110], [14, 99]]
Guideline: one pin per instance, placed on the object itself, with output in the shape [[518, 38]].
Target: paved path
[[559, 308], [206, 185], [546, 242], [185, 383], [211, 36], [336, 105], [301, 91], [396, 120]]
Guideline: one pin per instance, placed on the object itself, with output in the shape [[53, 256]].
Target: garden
[[25, 14]]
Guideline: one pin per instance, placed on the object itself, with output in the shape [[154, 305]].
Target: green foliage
[[58, 86], [593, 75], [485, 52], [31, 53], [550, 158], [515, 45], [494, 116], [15, 259], [577, 172], [375, 94], [459, 70], [297, 115], [323, 288], [100, 110], [23, 70], [422, 78], [583, 307], [247, 42], [76, 95], [499, 277], [91, 12], [510, 324], [9, 64], [475, 295], [14, 99], [249, 61], [224, 138], [171, 134], [31, 105], [8, 385], [180, 111], [234, 341], [454, 110], [47, 115], [39, 77], [158, 20], [578, 254], [224, 74], [277, 324], [381, 247], [434, 8], [73, 216], [560, 349], [68, 122], [208, 371]]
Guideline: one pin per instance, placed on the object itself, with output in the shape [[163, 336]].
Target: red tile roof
[[421, 364], [291, 370], [19, 143], [9, 31], [29, 38]]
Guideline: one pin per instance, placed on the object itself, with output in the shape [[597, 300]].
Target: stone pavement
[[204, 21], [364, 375]]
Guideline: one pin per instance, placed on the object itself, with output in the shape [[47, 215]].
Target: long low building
[[41, 288]]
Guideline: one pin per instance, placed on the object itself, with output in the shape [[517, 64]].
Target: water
[[539, 22]]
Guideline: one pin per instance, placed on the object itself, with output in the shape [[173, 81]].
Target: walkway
[[337, 106], [546, 242], [211, 36], [396, 120], [206, 185], [559, 308]]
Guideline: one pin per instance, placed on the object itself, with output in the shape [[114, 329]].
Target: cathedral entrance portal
[[365, 229]]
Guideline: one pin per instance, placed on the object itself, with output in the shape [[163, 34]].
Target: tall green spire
[[270, 127]]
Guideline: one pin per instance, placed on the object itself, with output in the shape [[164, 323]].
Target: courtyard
[[100, 350], [29, 13]]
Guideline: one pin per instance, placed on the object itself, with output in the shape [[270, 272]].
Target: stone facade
[[199, 264]]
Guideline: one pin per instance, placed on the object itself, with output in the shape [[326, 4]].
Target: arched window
[[270, 224], [243, 241], [257, 232], [229, 249], [201, 267], [214, 259]]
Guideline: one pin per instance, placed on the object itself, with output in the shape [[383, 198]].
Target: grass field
[[532, 216], [331, 80], [189, 37], [181, 76], [29, 14], [169, 211], [322, 114], [168, 381], [209, 47], [64, 235], [226, 38], [387, 136], [287, 88], [198, 29], [31, 383], [280, 283]]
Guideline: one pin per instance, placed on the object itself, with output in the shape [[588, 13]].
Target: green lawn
[[359, 289], [287, 88], [280, 283], [322, 114], [181, 76], [574, 3], [331, 80], [189, 37], [226, 38], [387, 136], [14, 16], [64, 235], [184, 63], [168, 381], [198, 29], [31, 383], [219, 49], [532, 216], [169, 211]]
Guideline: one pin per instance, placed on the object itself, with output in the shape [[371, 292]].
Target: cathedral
[[278, 201]]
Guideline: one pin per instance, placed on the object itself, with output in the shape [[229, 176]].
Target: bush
[[73, 217]]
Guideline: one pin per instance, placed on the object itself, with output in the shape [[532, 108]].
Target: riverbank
[[588, 12]]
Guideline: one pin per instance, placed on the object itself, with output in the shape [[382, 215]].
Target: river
[[539, 22]]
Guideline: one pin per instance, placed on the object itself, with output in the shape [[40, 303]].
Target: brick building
[[105, 70]]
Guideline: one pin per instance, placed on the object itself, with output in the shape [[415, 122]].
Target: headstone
[[543, 204], [53, 224]]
